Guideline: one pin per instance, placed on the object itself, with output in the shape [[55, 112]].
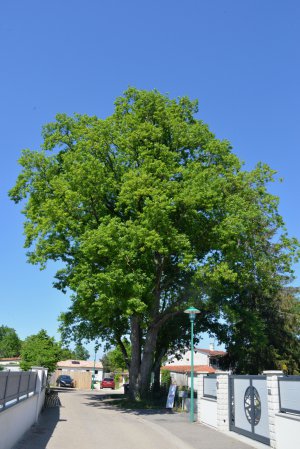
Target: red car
[[108, 382]]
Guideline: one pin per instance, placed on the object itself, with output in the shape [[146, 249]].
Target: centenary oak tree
[[149, 213]]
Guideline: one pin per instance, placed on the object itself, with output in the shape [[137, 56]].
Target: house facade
[[205, 361], [81, 366], [10, 363]]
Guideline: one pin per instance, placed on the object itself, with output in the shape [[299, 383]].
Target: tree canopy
[[113, 360], [41, 350], [80, 352], [149, 212], [10, 344]]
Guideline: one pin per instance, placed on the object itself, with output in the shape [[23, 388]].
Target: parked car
[[65, 381], [108, 382]]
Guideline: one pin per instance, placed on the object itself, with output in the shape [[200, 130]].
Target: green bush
[[166, 378]]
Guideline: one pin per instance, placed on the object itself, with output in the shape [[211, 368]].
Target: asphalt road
[[83, 421]]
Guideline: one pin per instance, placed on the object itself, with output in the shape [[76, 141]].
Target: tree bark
[[156, 369], [147, 360], [134, 372]]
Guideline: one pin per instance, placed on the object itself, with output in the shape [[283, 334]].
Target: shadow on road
[[106, 401], [39, 435]]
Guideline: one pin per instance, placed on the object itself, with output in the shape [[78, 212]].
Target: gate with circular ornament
[[249, 407]]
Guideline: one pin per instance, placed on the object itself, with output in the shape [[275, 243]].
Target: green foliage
[[10, 344], [149, 213], [265, 334], [113, 360], [166, 378], [80, 352], [41, 350]]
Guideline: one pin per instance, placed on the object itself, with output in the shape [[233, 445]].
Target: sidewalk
[[196, 435]]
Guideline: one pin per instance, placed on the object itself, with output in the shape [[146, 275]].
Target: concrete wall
[[209, 412], [199, 359], [284, 428], [180, 379], [17, 419], [287, 428], [69, 371]]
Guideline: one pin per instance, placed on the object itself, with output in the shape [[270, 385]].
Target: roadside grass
[[151, 403], [130, 404]]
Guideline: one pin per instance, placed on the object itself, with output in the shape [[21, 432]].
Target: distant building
[[10, 363], [205, 361], [79, 366]]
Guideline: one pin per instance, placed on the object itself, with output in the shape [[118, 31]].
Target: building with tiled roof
[[10, 363], [81, 371], [186, 369], [81, 365], [205, 361]]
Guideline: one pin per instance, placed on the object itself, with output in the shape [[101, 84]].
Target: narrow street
[[84, 421]]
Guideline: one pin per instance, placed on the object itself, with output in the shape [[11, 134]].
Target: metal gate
[[249, 407]]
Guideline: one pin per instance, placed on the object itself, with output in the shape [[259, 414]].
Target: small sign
[[183, 394], [171, 396]]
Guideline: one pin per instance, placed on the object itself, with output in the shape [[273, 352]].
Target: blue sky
[[241, 59]]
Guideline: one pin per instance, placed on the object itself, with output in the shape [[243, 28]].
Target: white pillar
[[223, 401], [273, 402], [40, 374], [39, 390]]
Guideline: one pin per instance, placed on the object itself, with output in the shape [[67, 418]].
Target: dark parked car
[[65, 381], [108, 382]]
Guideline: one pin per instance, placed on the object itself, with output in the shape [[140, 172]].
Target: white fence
[[217, 405], [22, 396]]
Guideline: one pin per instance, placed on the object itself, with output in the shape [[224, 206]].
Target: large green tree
[[41, 350], [10, 344], [149, 212]]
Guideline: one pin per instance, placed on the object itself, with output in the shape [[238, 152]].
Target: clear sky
[[240, 58]]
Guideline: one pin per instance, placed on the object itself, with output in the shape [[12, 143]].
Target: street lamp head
[[192, 311]]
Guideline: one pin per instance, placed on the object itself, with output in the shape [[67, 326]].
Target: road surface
[[83, 421]]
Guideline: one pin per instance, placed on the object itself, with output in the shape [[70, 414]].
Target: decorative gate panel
[[249, 407]]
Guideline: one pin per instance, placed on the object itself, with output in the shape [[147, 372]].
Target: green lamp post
[[191, 311]]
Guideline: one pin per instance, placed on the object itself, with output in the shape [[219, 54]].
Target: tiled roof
[[187, 368], [209, 352], [79, 364]]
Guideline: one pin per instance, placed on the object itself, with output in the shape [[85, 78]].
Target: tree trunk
[[134, 371], [147, 360]]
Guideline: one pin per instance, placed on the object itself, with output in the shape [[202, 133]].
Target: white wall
[[208, 411], [16, 420], [199, 359], [287, 428], [284, 428], [98, 376]]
